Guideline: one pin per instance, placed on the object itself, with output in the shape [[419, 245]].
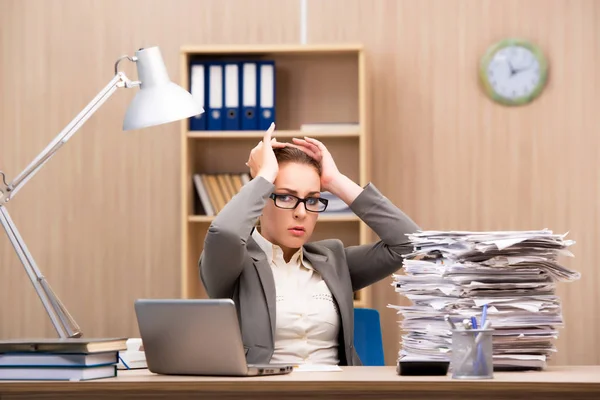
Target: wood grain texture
[[453, 159], [354, 382], [102, 217]]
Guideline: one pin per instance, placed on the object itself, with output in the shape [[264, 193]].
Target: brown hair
[[292, 154]]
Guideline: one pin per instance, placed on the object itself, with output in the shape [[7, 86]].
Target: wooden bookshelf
[[259, 134], [314, 84], [322, 218]]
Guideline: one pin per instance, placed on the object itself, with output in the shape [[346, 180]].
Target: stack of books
[[513, 274], [60, 359], [216, 190]]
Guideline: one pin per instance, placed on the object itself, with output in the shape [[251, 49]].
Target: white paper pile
[[456, 273]]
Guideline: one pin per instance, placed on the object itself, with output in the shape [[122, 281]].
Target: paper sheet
[[456, 273]]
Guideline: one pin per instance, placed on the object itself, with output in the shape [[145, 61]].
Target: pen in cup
[[474, 347], [480, 358], [449, 321], [474, 322], [467, 324], [477, 358], [484, 314]]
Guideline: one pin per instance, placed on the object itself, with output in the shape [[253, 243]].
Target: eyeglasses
[[290, 202]]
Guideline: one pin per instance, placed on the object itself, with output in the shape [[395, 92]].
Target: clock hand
[[512, 70], [516, 71]]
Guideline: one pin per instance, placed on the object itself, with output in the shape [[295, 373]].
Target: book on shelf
[[203, 197], [215, 190], [238, 94]]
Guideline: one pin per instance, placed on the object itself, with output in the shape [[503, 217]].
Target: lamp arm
[[7, 191], [63, 322]]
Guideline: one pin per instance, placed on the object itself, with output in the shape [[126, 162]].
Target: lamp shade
[[159, 100]]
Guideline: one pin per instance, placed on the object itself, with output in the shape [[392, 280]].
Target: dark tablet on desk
[[422, 367]]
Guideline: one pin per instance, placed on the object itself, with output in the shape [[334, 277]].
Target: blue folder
[[266, 94], [249, 95], [198, 77]]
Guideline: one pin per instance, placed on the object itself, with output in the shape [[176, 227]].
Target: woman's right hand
[[262, 161]]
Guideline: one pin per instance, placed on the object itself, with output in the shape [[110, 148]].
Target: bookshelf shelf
[[314, 84], [227, 50], [287, 134], [322, 218]]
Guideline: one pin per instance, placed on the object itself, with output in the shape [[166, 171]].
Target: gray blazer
[[232, 265]]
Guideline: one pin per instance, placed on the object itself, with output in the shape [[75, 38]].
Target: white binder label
[[216, 86], [231, 86], [198, 84], [267, 86], [249, 95]]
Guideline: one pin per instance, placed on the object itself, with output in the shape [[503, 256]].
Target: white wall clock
[[513, 72]]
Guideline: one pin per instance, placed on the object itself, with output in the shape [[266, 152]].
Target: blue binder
[[231, 92], [266, 94], [198, 90], [214, 109], [249, 95]]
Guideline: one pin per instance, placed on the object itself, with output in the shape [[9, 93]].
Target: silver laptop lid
[[191, 337]]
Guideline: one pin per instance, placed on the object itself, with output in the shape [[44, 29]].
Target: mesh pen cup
[[472, 354]]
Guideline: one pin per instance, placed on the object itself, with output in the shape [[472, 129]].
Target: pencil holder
[[472, 354]]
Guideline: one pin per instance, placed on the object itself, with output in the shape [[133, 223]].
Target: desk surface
[[374, 382]]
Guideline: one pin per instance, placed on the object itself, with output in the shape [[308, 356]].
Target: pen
[[449, 321], [473, 348], [484, 314], [474, 322], [480, 358]]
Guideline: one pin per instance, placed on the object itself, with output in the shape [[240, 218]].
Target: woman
[[295, 299]]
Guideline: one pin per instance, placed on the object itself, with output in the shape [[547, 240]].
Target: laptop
[[196, 337]]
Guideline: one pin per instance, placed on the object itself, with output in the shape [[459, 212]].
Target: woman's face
[[291, 228]]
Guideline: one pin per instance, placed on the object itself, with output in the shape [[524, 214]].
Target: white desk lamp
[[158, 101]]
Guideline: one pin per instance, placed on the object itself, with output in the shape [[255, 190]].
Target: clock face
[[513, 72]]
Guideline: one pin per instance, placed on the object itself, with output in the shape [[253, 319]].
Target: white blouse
[[307, 319]]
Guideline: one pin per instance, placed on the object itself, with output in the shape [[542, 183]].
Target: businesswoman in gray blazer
[[294, 298]]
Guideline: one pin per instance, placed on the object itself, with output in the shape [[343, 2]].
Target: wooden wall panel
[[453, 159], [102, 217]]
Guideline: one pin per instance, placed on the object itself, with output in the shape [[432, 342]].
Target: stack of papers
[[456, 273]]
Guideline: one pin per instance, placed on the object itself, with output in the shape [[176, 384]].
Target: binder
[[215, 97], [249, 95], [231, 90], [266, 94], [198, 91]]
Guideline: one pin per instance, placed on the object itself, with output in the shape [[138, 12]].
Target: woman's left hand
[[318, 151]]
